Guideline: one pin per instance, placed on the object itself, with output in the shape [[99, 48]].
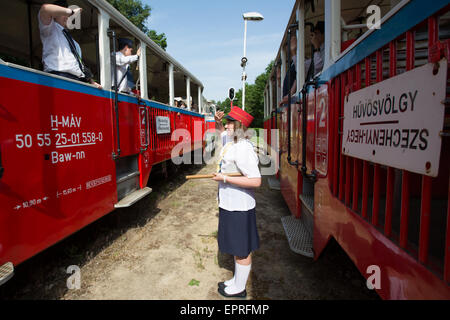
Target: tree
[[138, 14], [159, 39]]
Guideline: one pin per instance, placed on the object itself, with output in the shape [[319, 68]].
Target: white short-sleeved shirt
[[225, 138], [240, 155], [121, 64], [319, 60], [56, 53]]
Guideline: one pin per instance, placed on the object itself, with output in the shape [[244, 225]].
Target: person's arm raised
[[50, 11], [218, 118]]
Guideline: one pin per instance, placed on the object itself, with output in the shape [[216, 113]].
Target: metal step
[[132, 198], [308, 202], [128, 176], [299, 237], [6, 272], [274, 184]]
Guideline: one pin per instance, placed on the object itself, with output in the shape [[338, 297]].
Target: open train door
[[131, 154]]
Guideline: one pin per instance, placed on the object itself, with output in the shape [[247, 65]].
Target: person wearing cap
[[57, 56], [237, 234], [292, 69], [125, 57], [224, 137], [317, 40]]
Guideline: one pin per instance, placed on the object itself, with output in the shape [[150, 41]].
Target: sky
[[207, 38]]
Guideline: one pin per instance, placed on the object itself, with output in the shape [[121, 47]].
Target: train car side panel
[[59, 174]]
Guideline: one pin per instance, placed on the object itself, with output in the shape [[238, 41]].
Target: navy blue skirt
[[237, 233]]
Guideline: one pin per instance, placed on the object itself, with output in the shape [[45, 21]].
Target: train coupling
[[6, 272]]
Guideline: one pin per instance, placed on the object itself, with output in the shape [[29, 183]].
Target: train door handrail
[[289, 158], [304, 169], [112, 34]]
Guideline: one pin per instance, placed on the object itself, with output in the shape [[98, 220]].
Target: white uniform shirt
[[319, 60], [121, 64], [242, 156], [56, 53], [225, 138]]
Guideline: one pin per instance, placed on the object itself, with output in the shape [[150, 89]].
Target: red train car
[[364, 144], [68, 153]]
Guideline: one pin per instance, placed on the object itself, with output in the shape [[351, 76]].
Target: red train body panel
[[380, 216], [57, 140]]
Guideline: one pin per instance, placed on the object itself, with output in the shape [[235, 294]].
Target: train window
[[314, 37], [157, 77], [20, 41], [180, 85], [355, 17], [87, 36], [194, 97], [19, 34], [128, 81]]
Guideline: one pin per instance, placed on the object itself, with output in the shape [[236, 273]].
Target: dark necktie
[[73, 48]]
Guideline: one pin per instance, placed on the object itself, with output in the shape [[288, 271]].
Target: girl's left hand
[[218, 177]]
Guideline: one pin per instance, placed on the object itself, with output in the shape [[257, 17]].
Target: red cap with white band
[[237, 114]]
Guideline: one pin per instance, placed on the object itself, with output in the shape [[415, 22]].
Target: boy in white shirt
[[57, 55], [124, 58]]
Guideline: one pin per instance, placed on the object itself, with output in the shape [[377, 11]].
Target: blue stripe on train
[[11, 72]]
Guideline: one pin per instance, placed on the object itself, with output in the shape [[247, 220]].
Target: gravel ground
[[165, 247]]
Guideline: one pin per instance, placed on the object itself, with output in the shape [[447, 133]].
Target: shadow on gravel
[[280, 274], [45, 275]]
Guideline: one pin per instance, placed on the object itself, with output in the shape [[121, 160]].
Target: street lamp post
[[252, 16]]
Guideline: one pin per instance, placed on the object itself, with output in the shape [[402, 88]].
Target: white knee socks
[[241, 274], [231, 281]]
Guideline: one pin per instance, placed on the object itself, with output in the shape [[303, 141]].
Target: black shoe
[[221, 285], [242, 294]]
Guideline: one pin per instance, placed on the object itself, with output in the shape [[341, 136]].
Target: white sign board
[[398, 122], [162, 125]]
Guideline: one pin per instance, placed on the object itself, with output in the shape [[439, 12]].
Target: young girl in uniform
[[237, 234]]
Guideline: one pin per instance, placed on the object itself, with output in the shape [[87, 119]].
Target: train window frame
[[116, 25], [34, 45], [155, 64], [389, 14]]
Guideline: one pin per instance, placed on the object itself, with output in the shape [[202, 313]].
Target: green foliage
[[159, 39], [254, 98], [138, 14]]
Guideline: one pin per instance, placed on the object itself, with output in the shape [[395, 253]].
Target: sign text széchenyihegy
[[398, 122]]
